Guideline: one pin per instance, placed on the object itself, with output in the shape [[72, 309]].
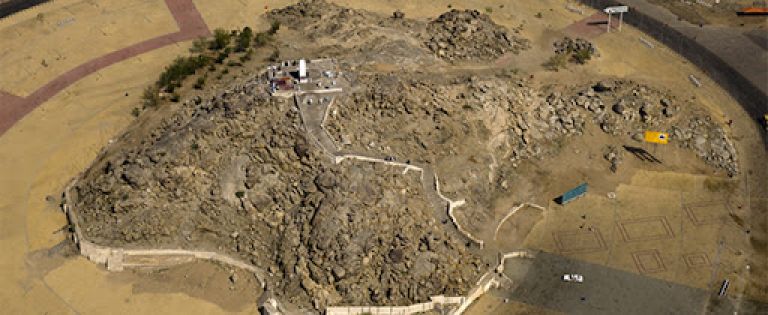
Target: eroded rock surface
[[237, 174], [471, 35]]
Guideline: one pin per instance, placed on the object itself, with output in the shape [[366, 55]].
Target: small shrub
[[151, 96], [221, 57], [488, 10], [539, 15], [200, 83], [582, 56], [240, 194], [212, 67], [195, 146], [233, 63], [247, 56], [135, 112], [275, 56], [175, 97], [556, 62], [221, 39], [261, 39], [274, 27], [199, 45], [225, 71]]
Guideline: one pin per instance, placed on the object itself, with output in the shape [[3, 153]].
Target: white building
[[302, 71]]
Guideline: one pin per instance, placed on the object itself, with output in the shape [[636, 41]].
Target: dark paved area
[[10, 7], [607, 291]]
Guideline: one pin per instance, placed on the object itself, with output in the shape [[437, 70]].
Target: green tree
[[244, 39], [179, 69], [221, 39]]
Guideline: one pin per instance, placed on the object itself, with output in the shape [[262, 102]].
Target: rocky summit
[[469, 34]]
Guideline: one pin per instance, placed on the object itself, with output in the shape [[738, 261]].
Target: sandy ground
[[30, 58], [52, 144]]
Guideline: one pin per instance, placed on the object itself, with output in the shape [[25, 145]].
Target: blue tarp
[[573, 194]]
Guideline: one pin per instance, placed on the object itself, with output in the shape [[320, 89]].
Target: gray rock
[[604, 86]]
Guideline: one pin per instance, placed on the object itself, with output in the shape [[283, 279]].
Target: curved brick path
[[191, 25]]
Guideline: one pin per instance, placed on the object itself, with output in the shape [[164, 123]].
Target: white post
[[608, 29], [621, 19]]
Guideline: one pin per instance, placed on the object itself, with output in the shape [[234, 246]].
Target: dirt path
[[191, 25]]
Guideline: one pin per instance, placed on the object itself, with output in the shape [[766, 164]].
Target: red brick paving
[[592, 26], [189, 21]]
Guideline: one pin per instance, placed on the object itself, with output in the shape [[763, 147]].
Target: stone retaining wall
[[395, 310], [116, 258]]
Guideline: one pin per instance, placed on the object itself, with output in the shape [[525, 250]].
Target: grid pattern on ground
[[580, 241], [705, 212], [645, 229], [696, 260], [648, 261]]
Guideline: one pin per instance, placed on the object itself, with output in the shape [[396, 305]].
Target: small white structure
[[302, 71], [612, 10], [573, 277]]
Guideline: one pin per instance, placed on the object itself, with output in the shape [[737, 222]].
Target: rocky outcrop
[[470, 35], [569, 45], [236, 174], [625, 107]]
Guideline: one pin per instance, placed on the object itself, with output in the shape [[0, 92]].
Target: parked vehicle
[[573, 277]]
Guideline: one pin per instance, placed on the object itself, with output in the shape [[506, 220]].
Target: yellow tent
[[656, 137]]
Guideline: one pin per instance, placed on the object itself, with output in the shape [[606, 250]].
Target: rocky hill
[[236, 173]]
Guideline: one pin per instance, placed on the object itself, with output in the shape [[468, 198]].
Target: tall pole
[[608, 28], [621, 18]]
